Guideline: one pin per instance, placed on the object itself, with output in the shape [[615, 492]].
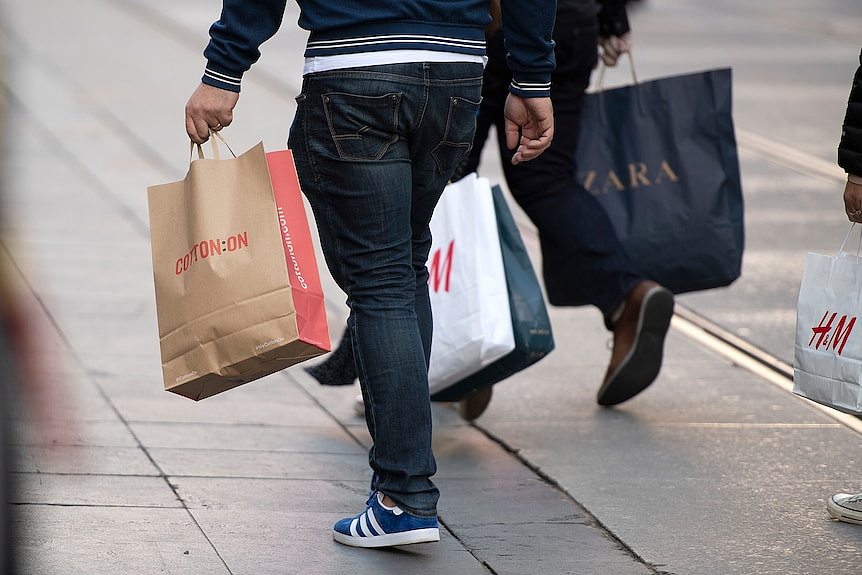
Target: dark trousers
[[583, 260], [374, 148]]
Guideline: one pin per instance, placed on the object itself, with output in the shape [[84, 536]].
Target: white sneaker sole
[[842, 513], [429, 535]]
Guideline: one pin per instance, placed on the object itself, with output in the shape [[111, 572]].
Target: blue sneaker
[[382, 526]]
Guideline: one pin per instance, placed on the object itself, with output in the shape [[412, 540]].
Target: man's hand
[[534, 118], [613, 47], [208, 109], [853, 201]]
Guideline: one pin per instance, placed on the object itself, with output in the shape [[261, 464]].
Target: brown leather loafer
[[638, 343]]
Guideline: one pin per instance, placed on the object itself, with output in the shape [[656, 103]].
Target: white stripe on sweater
[[209, 74], [393, 38]]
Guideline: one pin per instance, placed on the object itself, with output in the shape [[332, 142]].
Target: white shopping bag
[[469, 297], [828, 350]]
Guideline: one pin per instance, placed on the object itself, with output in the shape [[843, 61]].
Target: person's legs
[[583, 260], [374, 148]]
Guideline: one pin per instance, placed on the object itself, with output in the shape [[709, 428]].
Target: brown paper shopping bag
[[238, 294]]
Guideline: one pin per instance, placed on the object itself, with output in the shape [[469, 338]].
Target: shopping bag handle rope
[[216, 153], [841, 250], [600, 81]]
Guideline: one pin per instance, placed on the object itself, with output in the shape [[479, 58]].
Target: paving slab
[[93, 490], [283, 527], [83, 459], [219, 409], [257, 464], [537, 531], [90, 541], [112, 433], [328, 439]]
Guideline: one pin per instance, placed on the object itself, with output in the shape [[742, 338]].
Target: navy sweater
[[351, 26]]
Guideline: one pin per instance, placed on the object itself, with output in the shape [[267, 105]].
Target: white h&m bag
[[828, 350], [469, 295]]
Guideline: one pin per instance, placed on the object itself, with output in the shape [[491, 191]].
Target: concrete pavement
[[711, 471]]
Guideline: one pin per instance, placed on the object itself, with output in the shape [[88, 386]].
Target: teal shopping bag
[[530, 322]]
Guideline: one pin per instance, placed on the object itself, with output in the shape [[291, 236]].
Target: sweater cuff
[[531, 85], [218, 77], [854, 179]]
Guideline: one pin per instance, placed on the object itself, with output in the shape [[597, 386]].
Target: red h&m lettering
[[825, 335], [435, 274]]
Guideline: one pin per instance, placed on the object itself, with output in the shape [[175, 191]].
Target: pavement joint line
[[95, 474], [255, 451], [333, 481], [88, 505], [741, 425], [343, 426], [782, 378], [75, 356], [226, 424], [465, 546], [592, 520]]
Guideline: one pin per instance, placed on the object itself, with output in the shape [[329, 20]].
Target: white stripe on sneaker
[[374, 523], [353, 527], [363, 527]]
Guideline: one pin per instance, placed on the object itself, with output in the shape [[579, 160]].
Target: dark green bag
[[530, 321]]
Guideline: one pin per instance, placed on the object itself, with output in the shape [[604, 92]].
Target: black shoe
[[339, 368]]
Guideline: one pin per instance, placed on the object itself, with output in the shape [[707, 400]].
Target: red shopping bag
[[298, 250]]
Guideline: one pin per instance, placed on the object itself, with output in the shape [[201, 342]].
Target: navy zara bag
[[660, 156]]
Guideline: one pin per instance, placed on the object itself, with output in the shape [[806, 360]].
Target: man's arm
[[614, 30], [529, 116], [234, 46]]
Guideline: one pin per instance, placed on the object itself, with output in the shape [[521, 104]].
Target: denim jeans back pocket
[[458, 137], [362, 127]]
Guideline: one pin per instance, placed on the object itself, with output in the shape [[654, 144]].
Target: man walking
[[387, 112]]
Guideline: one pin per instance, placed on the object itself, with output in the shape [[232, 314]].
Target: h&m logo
[[828, 337], [636, 175], [441, 271]]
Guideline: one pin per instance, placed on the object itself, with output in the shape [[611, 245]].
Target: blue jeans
[[374, 148]]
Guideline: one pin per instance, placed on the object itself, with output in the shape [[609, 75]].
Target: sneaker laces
[[855, 499]]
